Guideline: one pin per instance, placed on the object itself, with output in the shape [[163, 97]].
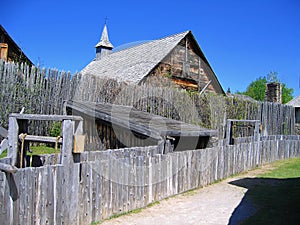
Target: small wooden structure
[[110, 126], [19, 138], [243, 128]]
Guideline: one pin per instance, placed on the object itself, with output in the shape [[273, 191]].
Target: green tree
[[257, 88]]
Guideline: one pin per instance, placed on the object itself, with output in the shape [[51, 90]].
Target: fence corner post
[[67, 145], [13, 132], [228, 132]]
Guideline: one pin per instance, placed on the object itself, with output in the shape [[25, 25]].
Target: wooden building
[[296, 104], [10, 51], [108, 126], [174, 60]]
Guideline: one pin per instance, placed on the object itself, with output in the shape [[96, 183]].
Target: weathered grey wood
[[119, 115], [3, 132], [13, 132], [45, 90], [44, 139], [8, 168], [113, 181], [45, 117], [67, 145], [3, 145]]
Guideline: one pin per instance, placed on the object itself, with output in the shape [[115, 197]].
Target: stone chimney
[[274, 92]]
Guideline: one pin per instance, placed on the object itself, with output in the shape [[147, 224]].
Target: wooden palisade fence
[[94, 185], [43, 91]]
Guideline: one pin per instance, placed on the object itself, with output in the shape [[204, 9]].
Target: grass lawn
[[36, 150], [276, 194]]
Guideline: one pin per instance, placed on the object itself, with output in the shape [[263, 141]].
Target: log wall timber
[[186, 68], [100, 184]]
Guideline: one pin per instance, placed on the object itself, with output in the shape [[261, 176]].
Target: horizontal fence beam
[[46, 139], [45, 117]]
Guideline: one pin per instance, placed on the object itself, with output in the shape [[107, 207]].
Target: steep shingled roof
[[294, 102], [133, 64]]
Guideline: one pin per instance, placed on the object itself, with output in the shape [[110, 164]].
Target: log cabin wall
[[10, 51], [101, 135], [184, 68]]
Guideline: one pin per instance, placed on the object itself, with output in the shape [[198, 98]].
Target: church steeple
[[104, 47]]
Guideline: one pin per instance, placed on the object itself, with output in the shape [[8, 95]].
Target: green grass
[[276, 194], [36, 150], [3, 154], [41, 150], [289, 168]]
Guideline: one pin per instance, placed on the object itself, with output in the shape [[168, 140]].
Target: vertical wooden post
[[79, 138], [67, 145], [256, 131], [21, 154], [229, 132], [13, 131]]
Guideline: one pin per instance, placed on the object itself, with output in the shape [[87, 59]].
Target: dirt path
[[211, 205]]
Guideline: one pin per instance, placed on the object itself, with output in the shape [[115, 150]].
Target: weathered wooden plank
[[96, 192], [85, 194], [8, 168], [44, 139], [3, 132], [60, 199], [51, 117], [13, 140], [6, 203], [67, 145]]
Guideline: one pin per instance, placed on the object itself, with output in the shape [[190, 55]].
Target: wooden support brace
[[8, 168]]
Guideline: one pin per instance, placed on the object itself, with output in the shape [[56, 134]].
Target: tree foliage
[[257, 88]]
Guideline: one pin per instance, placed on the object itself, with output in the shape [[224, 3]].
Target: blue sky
[[242, 40]]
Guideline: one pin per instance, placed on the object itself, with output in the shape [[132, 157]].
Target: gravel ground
[[211, 205]]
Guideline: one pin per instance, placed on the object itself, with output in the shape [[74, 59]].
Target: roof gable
[[294, 102], [132, 64]]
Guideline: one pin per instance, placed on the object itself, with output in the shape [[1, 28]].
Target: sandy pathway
[[213, 205]]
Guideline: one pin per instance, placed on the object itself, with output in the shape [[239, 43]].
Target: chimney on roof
[[274, 92], [104, 47]]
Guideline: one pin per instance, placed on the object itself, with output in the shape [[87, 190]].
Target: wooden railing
[[72, 139], [254, 130]]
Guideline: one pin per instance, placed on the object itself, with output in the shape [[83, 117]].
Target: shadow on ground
[[268, 201]]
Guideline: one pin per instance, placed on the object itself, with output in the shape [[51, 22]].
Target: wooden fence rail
[[92, 186]]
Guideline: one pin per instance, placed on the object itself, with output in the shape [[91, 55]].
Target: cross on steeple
[[105, 20]]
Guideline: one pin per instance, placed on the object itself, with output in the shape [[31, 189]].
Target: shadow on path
[[268, 201]]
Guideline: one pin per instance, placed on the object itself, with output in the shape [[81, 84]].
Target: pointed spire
[[104, 41]]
